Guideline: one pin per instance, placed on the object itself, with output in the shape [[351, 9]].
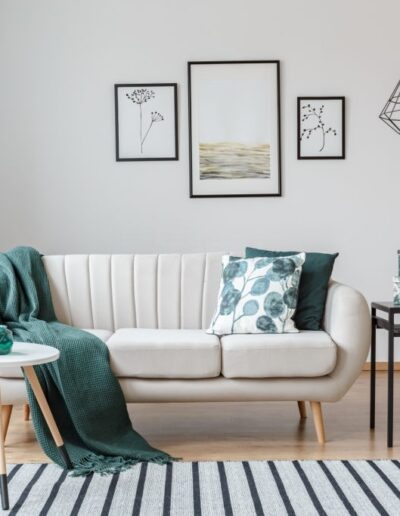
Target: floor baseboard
[[381, 366]]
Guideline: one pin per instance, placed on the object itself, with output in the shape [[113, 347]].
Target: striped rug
[[211, 489]]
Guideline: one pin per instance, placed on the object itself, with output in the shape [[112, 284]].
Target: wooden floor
[[251, 431]]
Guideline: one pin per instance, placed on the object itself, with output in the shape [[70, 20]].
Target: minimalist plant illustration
[[277, 306], [315, 115], [140, 96]]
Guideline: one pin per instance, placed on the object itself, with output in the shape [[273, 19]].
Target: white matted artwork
[[234, 124], [146, 125], [321, 127]]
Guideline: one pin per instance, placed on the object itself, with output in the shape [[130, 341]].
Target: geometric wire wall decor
[[391, 112]]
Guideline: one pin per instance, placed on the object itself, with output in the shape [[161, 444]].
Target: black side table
[[393, 331]]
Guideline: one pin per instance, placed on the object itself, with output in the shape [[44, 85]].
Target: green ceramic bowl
[[6, 340]]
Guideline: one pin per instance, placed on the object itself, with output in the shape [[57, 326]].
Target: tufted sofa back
[[167, 291]]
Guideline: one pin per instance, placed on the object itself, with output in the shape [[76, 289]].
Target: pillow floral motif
[[258, 295]]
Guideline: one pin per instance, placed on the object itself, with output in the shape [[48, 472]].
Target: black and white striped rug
[[211, 489]]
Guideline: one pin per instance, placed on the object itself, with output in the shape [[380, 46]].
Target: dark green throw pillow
[[317, 270]]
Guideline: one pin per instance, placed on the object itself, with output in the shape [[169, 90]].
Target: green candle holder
[[396, 290], [6, 340], [398, 263]]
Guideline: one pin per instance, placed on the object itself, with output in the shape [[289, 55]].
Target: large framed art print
[[234, 128]]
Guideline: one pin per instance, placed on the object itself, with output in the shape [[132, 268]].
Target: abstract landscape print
[[234, 128], [234, 160]]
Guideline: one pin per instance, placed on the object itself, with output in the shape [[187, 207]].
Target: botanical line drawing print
[[311, 113], [140, 96]]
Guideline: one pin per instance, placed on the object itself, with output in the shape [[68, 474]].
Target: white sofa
[[152, 310]]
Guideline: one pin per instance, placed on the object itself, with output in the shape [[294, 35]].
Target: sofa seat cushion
[[15, 372], [148, 353], [103, 335], [304, 354]]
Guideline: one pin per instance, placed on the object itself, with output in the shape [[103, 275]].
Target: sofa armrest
[[347, 320]]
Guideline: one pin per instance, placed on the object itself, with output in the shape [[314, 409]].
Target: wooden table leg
[[3, 468], [44, 406], [6, 411]]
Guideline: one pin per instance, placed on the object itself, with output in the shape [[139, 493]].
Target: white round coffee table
[[26, 355]]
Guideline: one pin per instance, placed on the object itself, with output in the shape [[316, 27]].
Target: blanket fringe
[[106, 465]]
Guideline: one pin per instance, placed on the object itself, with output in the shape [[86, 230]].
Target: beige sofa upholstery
[[287, 355], [149, 353], [152, 312]]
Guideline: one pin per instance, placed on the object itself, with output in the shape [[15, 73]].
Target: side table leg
[[373, 370], [44, 406], [390, 384], [3, 469]]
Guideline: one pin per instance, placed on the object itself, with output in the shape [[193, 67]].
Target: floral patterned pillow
[[258, 295]]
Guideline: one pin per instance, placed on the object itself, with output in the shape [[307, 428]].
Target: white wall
[[63, 192]]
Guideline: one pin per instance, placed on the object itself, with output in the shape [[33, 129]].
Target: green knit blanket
[[84, 395]]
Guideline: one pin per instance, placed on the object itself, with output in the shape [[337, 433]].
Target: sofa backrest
[[135, 291]]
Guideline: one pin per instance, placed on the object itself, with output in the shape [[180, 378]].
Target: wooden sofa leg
[[318, 421], [302, 409], [26, 412], [5, 416]]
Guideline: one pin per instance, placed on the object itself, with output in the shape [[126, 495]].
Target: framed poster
[[146, 122], [321, 128], [234, 128]]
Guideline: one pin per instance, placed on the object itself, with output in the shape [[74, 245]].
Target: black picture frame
[[276, 62], [173, 85], [342, 155]]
